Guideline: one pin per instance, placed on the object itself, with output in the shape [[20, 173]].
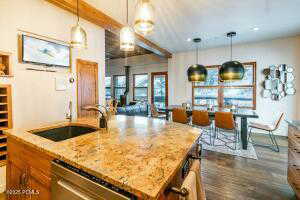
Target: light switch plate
[[60, 84]]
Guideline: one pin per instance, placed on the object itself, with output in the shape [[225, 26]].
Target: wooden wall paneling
[[112, 48]]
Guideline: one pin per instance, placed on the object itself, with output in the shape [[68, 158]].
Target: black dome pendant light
[[197, 72], [231, 70]]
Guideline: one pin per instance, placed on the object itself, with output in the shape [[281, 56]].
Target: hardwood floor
[[2, 196], [230, 178]]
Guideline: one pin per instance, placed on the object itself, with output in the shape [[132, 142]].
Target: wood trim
[[78, 61], [133, 93], [221, 87], [95, 16], [167, 86]]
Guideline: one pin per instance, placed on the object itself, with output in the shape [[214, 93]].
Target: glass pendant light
[[78, 34], [144, 18], [127, 36], [197, 72], [231, 70]]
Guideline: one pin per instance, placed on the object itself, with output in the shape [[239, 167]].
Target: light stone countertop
[[140, 155]]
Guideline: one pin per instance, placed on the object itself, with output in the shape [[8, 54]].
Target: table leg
[[244, 132], [167, 115]]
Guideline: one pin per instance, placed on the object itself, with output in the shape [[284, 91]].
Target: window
[[119, 86], [108, 87], [159, 91], [224, 94], [140, 87]]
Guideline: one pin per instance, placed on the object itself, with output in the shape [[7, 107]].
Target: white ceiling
[[177, 20]]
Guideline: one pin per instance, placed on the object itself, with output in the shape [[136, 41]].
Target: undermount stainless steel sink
[[64, 132]]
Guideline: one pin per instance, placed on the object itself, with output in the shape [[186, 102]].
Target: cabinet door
[[39, 185], [38, 191], [37, 166], [16, 180]]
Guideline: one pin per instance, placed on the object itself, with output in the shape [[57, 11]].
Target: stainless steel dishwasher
[[71, 183]]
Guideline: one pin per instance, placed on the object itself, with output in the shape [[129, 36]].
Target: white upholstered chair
[[270, 128]]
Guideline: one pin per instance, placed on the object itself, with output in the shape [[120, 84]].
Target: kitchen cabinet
[[166, 150], [293, 172], [28, 172]]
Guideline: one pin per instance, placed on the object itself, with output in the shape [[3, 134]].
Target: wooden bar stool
[[224, 125], [270, 129], [201, 119], [179, 115]]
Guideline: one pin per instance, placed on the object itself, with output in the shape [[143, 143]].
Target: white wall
[[279, 51], [138, 65], [35, 99]]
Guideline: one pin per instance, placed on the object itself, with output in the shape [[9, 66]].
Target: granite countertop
[[295, 123], [140, 155]]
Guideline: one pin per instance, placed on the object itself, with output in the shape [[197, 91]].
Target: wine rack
[[5, 119]]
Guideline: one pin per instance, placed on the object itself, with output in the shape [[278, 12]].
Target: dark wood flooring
[[229, 177], [2, 196]]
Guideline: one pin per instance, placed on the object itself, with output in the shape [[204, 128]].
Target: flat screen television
[[43, 52]]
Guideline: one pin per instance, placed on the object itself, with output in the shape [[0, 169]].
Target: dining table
[[242, 113]]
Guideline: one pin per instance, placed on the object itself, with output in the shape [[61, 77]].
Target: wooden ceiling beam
[[95, 16]]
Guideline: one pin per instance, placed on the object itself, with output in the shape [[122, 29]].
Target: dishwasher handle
[[71, 189]]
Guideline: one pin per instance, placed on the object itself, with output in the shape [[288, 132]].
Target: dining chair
[[200, 118], [225, 126], [270, 128], [155, 113], [179, 115]]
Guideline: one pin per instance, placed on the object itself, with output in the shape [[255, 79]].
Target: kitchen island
[[293, 166], [139, 155]]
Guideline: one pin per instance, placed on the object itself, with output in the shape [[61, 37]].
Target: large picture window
[[240, 93], [108, 87], [140, 87], [119, 86]]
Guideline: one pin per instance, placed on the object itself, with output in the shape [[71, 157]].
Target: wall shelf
[[5, 120], [6, 60]]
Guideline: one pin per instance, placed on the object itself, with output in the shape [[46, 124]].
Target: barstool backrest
[[153, 109], [224, 120], [278, 121], [179, 115], [200, 118]]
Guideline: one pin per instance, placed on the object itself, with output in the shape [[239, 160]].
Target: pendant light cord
[[197, 55], [197, 52], [77, 11], [231, 48], [127, 12]]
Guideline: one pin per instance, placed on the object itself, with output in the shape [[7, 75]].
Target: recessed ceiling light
[[189, 39], [255, 29]]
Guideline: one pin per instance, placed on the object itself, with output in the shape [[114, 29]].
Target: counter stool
[[226, 126], [179, 115], [200, 118]]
